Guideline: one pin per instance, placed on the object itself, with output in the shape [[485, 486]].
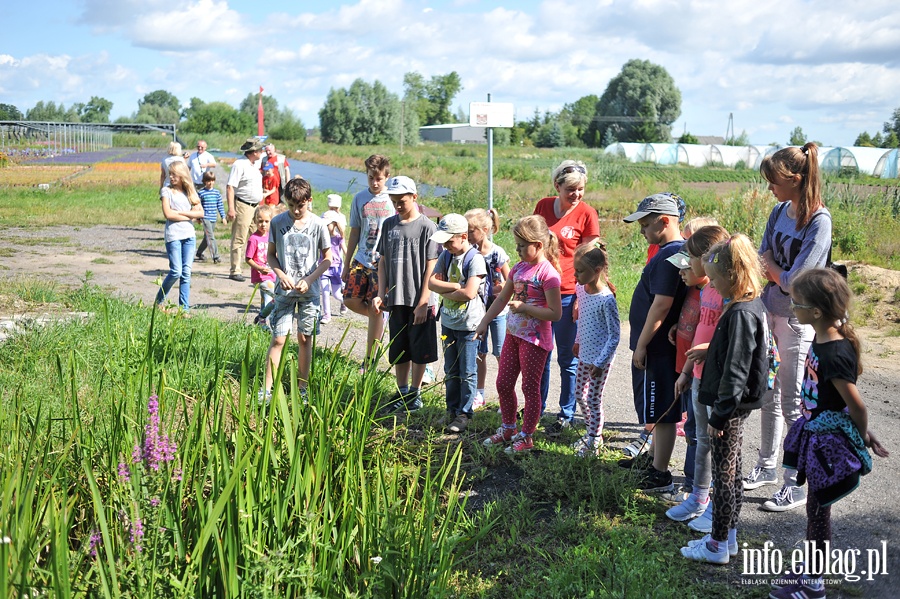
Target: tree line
[[639, 104]]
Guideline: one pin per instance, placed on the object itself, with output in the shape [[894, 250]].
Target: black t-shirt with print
[[824, 363]]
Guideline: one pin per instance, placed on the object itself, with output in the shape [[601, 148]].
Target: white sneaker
[[688, 509], [703, 523], [732, 547], [478, 401], [264, 397], [700, 552], [428, 377]]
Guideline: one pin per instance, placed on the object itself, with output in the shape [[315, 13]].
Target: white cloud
[[160, 25]]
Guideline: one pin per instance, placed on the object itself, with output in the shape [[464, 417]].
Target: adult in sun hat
[[574, 223], [336, 223], [244, 191]]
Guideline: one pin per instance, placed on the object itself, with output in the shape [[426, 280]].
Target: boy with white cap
[[408, 259], [459, 279], [336, 223]]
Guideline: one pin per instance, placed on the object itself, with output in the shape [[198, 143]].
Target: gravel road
[[127, 261]]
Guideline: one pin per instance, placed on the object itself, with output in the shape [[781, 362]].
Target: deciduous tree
[[364, 114], [639, 104], [8, 112], [798, 137]]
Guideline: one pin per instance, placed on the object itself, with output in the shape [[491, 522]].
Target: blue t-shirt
[[659, 277]]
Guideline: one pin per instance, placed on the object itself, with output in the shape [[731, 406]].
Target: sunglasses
[[798, 306], [573, 169]]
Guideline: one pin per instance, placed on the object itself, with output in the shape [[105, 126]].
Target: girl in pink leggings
[[532, 293]]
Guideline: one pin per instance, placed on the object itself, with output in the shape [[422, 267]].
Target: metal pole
[[490, 141], [402, 118]]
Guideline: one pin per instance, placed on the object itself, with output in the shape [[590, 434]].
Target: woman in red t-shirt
[[574, 223]]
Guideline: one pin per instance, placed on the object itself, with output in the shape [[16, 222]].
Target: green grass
[[129, 206], [294, 500]]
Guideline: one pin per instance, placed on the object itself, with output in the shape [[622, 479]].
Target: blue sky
[[830, 67]]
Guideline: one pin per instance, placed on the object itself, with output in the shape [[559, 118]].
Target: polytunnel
[[659, 153], [731, 155], [888, 166], [852, 160], [693, 154], [628, 150]]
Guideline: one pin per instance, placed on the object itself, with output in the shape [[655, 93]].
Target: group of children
[[700, 335]]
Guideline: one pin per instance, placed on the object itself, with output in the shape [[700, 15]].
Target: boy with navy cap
[[655, 307]]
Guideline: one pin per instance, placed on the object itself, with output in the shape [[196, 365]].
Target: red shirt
[[571, 229]]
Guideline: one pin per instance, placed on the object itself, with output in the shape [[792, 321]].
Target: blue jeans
[[181, 256], [460, 370], [564, 331], [497, 332]]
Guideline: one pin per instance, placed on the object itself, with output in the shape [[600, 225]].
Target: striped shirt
[[212, 203]]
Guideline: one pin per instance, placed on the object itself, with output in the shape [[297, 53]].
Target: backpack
[[444, 263]]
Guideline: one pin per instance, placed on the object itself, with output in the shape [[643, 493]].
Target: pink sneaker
[[503, 435], [520, 443]]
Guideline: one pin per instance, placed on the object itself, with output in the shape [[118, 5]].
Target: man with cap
[[244, 192], [336, 223], [655, 306]]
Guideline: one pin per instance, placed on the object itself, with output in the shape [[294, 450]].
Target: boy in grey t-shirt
[[297, 240], [407, 260], [459, 278]]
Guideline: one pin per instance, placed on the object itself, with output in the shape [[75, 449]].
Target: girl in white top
[[483, 224], [595, 341], [180, 205]]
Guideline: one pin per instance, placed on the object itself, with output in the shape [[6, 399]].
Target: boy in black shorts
[[408, 259], [655, 307]]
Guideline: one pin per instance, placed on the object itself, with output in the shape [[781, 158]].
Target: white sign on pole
[[491, 114]]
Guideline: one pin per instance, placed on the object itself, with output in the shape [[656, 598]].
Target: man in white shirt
[[199, 162], [244, 192]]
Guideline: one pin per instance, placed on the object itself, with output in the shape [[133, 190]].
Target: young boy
[[408, 259], [655, 307], [213, 208], [459, 278], [258, 259], [296, 241], [368, 212], [271, 186]]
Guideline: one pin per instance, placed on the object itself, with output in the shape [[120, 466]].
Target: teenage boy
[[297, 240], [459, 279], [655, 307], [407, 261], [368, 212]]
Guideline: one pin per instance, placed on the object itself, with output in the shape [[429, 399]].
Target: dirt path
[[127, 261]]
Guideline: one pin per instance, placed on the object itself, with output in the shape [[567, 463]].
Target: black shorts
[[654, 390], [412, 342]]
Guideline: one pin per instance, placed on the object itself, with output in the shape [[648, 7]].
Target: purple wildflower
[[176, 474], [94, 542], [157, 447], [137, 533], [124, 474], [136, 454], [154, 501]]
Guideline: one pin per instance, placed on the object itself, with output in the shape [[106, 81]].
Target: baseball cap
[[680, 259], [334, 200], [400, 185], [450, 225], [659, 203]]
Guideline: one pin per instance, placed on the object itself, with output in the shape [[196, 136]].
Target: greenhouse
[[659, 154], [628, 150], [888, 165], [851, 161], [731, 155]]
